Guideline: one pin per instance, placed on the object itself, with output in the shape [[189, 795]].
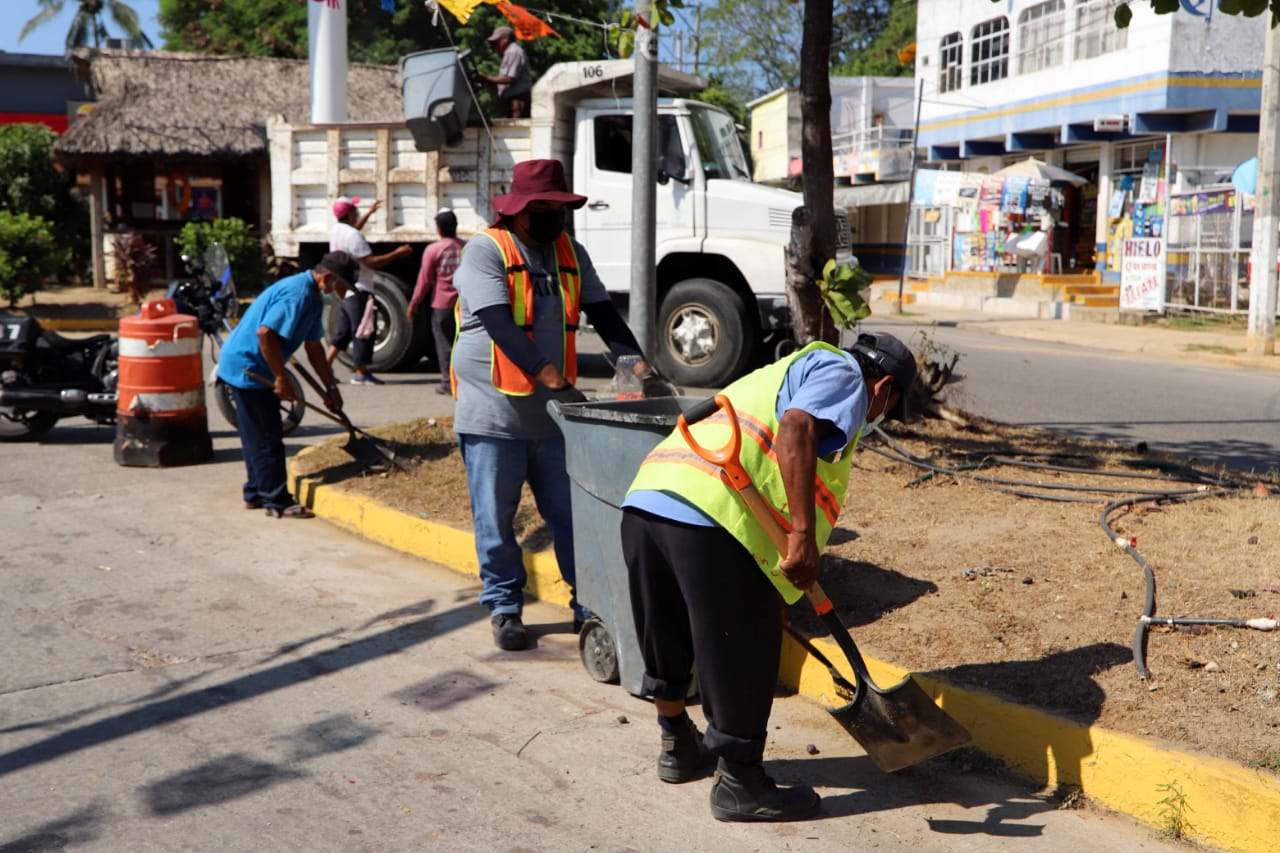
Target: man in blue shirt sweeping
[[285, 317]]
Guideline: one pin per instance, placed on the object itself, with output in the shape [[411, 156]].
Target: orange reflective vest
[[507, 377]]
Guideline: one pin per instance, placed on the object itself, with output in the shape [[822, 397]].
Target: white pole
[[1261, 339], [327, 40]]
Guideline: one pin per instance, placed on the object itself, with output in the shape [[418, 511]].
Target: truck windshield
[[718, 145]]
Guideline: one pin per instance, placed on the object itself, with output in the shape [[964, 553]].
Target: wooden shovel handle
[[726, 458]]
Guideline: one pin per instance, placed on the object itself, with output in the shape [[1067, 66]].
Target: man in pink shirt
[[436, 278]]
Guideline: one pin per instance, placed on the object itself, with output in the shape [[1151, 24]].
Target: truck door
[[603, 225]]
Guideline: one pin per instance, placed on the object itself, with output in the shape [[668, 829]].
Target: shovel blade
[[364, 451], [899, 726]]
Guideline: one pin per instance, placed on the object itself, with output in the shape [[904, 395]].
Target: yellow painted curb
[[1228, 807]]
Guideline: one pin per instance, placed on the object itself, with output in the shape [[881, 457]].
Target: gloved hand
[[653, 385], [567, 394]]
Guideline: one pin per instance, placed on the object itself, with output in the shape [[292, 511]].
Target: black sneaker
[[509, 632], [744, 792], [683, 757]]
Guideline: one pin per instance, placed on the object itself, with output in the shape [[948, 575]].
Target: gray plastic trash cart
[[607, 441]]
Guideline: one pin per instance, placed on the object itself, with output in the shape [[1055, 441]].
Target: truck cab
[[720, 238]]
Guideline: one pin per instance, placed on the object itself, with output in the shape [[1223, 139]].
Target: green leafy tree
[[757, 43], [884, 55], [31, 182], [279, 28], [244, 251], [27, 254], [89, 26]]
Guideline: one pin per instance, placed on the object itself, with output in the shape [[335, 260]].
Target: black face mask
[[545, 225]]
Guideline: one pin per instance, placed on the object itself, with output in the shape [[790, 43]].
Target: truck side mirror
[[664, 177]]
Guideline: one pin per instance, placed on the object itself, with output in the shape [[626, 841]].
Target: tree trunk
[[809, 316]]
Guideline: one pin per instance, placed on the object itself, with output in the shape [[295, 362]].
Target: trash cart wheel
[[599, 655]]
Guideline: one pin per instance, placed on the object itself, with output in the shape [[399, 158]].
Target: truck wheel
[[394, 337], [705, 336]]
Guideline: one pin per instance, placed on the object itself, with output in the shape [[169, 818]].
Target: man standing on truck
[[705, 577], [435, 279], [513, 79], [346, 237], [522, 285]]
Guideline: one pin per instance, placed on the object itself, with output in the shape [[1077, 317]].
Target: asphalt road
[[1226, 415], [181, 674]]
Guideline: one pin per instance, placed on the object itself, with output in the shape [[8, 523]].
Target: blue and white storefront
[[1055, 79]]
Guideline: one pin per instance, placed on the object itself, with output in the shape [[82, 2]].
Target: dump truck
[[720, 238]]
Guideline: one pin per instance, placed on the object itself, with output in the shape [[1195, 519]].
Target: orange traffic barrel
[[161, 418]]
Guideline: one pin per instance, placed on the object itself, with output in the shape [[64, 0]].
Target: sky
[[50, 37]]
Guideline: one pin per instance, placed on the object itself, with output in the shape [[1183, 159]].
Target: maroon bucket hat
[[536, 180]]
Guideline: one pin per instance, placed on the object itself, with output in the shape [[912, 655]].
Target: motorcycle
[[45, 377], [209, 294]]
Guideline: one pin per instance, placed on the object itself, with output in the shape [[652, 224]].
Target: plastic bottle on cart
[[625, 384]]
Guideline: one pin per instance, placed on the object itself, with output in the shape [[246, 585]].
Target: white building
[[1056, 79]]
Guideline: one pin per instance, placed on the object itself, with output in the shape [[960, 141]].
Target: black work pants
[[350, 313], [442, 329], [699, 599]]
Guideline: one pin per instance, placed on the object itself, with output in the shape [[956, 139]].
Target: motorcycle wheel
[[24, 424], [290, 413]]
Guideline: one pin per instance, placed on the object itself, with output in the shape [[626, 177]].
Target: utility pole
[[697, 35], [642, 311], [1261, 339]]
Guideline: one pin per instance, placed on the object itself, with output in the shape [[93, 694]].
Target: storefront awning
[[866, 195]]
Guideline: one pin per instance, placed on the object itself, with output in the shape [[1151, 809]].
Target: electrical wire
[[1201, 480]]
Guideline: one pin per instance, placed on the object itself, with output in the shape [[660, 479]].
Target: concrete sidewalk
[[1219, 347], [1235, 808]]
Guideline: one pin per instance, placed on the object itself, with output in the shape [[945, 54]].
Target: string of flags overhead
[[527, 26]]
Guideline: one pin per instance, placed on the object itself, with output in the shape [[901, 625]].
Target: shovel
[[360, 446], [897, 726]]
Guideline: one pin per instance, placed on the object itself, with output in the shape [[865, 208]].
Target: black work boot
[[683, 757], [509, 632], [744, 792]]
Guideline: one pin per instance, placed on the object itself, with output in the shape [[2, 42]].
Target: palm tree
[[89, 21]]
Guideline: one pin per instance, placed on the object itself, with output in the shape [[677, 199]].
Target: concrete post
[[644, 196], [1261, 339]]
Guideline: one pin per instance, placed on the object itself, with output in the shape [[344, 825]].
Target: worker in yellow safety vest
[[705, 577], [522, 286]]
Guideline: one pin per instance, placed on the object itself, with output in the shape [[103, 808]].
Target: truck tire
[[394, 339], [705, 335]]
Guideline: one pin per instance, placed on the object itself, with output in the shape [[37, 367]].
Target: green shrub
[[27, 254], [31, 182], [243, 249]]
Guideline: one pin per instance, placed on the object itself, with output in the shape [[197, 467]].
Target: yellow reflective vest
[[672, 467]]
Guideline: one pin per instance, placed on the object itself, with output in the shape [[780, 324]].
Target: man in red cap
[[522, 286], [513, 79]]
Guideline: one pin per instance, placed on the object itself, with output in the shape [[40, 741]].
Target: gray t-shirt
[[516, 66], [481, 281]]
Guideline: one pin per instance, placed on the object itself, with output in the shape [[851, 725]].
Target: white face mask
[[870, 426]]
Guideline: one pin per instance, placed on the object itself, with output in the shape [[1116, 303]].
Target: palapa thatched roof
[[161, 104]]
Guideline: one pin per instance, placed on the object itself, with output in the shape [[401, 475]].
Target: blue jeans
[[497, 468], [262, 437]]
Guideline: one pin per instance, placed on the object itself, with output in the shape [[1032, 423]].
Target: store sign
[[1142, 274], [1203, 203]]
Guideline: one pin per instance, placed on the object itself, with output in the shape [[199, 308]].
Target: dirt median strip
[[1235, 808]]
